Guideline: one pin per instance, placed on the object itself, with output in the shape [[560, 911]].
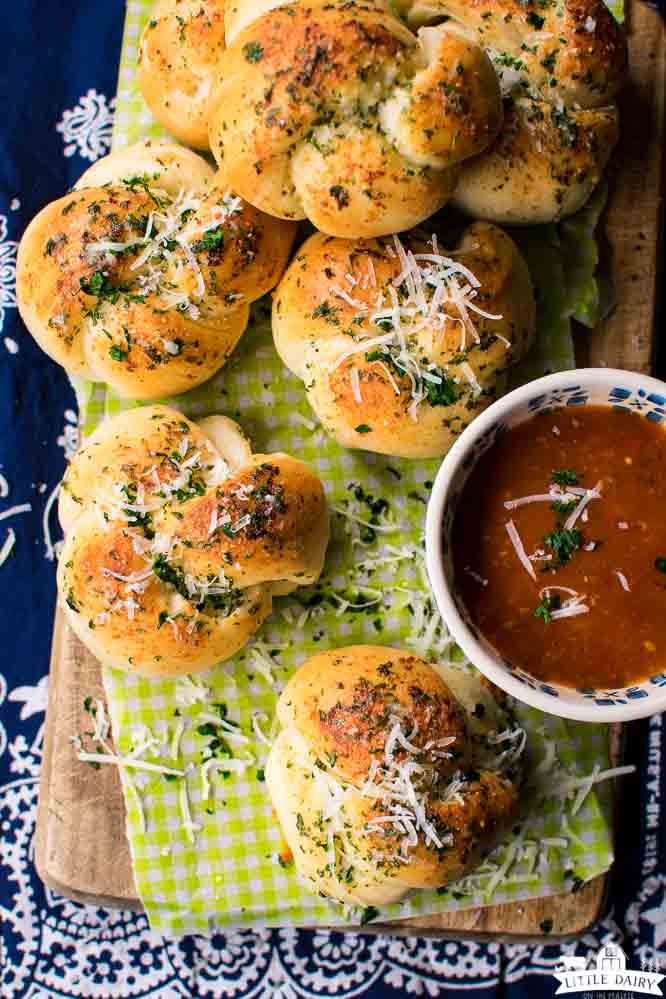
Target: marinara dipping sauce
[[559, 547]]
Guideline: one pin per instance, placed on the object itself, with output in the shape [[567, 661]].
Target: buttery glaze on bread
[[561, 65], [177, 538], [388, 774], [388, 337], [543, 166], [144, 280], [178, 54], [338, 113]]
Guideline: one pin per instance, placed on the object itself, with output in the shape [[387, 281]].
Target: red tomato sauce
[[606, 625]]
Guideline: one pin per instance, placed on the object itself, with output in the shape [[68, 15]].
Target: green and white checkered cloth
[[230, 874]]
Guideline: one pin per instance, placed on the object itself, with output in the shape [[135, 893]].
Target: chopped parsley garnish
[[100, 287], [141, 182], [363, 428], [53, 243], [210, 241], [323, 310], [536, 20], [660, 563], [369, 914], [228, 601], [564, 543], [442, 393], [117, 353], [560, 506], [566, 126], [253, 51], [547, 606], [340, 194], [71, 602], [565, 477], [504, 59]]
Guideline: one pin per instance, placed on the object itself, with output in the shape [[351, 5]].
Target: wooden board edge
[[41, 823]]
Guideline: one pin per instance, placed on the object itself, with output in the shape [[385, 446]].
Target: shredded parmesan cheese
[[519, 548], [128, 761], [590, 494]]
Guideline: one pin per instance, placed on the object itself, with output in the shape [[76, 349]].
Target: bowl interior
[[612, 389]]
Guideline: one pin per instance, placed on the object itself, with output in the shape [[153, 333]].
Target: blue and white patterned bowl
[[597, 386]]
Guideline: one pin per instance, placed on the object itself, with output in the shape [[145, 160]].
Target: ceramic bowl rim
[[487, 663]]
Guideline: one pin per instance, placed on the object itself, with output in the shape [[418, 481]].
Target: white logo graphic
[[609, 973]]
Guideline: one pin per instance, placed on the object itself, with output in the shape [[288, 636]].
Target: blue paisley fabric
[[56, 108]]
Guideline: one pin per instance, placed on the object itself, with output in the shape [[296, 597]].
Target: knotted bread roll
[[178, 54], [338, 113], [388, 774], [560, 66], [145, 279], [400, 345], [177, 538]]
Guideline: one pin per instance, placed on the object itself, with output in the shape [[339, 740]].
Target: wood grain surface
[[81, 845]]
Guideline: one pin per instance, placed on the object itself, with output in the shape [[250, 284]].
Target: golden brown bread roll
[[178, 169], [177, 538], [400, 345], [178, 55], [560, 66], [388, 773], [336, 112], [572, 52], [543, 166], [146, 282]]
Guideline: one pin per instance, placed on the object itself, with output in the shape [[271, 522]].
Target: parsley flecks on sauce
[[363, 428], [535, 20], [564, 543], [565, 477], [253, 51], [564, 507], [660, 563], [545, 608]]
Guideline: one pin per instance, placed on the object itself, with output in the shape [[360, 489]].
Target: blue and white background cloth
[[57, 80]]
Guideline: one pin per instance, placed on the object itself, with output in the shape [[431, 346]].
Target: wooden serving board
[[81, 845]]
